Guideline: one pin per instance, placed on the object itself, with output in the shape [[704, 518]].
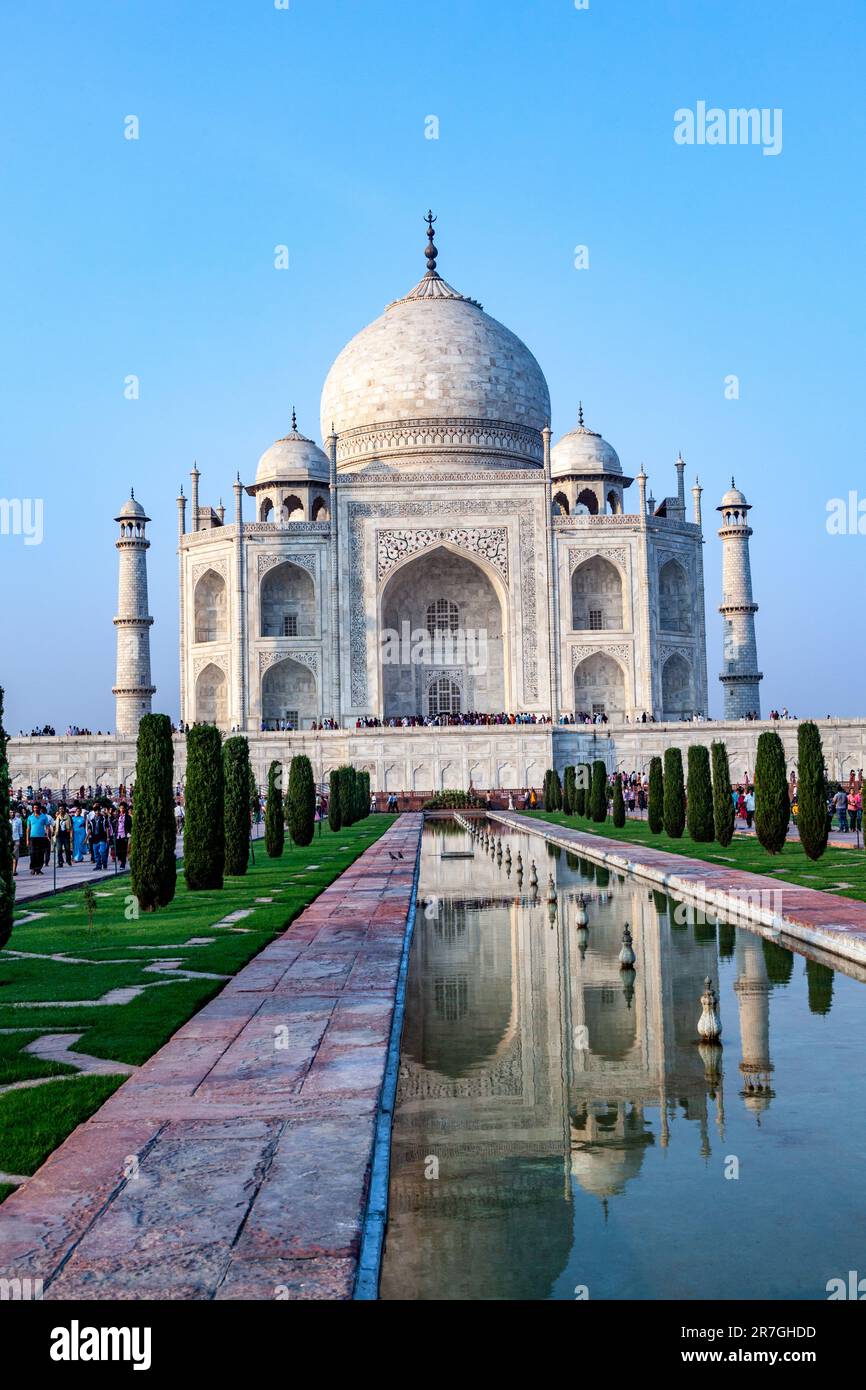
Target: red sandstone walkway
[[823, 920], [234, 1164]]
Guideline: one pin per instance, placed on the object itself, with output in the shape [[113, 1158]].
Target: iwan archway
[[443, 644]]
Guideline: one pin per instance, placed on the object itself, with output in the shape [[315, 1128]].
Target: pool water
[[560, 1133]]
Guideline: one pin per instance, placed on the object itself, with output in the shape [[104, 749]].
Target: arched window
[[443, 697], [675, 603], [292, 509], [614, 502], [442, 616], [560, 504], [587, 502], [210, 608], [266, 509], [320, 510]]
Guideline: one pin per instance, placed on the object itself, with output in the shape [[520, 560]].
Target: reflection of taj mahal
[[439, 501]]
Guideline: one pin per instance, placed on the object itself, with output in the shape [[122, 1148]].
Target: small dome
[[583, 451], [132, 510], [293, 459], [733, 498]]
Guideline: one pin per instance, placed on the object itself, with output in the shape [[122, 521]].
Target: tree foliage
[[7, 880], [674, 800], [236, 774], [152, 859], [618, 803], [813, 818], [204, 823], [699, 795], [598, 794], [301, 800], [772, 802], [723, 805], [656, 797], [275, 824]]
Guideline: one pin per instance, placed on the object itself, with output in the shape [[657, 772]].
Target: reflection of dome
[[435, 356], [607, 1149], [292, 459], [582, 451]]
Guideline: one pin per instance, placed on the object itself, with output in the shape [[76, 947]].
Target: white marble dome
[[434, 359], [132, 510], [583, 451], [292, 459]]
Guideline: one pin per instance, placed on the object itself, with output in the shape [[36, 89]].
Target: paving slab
[[234, 1164]]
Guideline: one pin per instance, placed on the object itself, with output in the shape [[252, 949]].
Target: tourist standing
[[840, 803], [749, 807], [38, 832], [79, 834], [99, 839], [17, 827], [122, 831], [63, 835]]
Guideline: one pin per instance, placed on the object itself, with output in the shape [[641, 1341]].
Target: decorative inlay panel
[[490, 543], [219, 567], [618, 554], [306, 658], [620, 650], [266, 560], [217, 659]]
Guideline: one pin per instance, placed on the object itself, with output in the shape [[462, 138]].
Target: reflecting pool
[[560, 1132]]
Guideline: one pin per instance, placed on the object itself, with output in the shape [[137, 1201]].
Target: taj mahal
[[440, 501], [440, 505]]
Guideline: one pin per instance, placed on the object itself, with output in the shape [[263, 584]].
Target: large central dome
[[435, 376]]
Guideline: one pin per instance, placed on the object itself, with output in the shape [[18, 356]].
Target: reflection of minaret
[[740, 675], [133, 690], [753, 995]]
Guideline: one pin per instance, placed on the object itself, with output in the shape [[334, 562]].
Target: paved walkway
[[827, 921], [235, 1163], [30, 886]]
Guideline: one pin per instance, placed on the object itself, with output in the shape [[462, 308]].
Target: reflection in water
[[558, 1122]]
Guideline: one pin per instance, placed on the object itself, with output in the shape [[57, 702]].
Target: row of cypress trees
[[349, 796], [220, 801]]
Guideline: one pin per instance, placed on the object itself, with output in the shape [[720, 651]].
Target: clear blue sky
[[305, 126]]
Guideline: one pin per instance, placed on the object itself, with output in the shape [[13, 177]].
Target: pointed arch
[[289, 695], [211, 608], [599, 686], [597, 596], [678, 690], [287, 602], [211, 696], [675, 602]]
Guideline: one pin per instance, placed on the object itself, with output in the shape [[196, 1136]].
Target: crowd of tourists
[[457, 720], [71, 832]]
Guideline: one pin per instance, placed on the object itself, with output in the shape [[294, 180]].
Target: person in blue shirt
[[38, 831]]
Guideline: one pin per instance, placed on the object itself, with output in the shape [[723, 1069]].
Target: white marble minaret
[[133, 690], [740, 675]]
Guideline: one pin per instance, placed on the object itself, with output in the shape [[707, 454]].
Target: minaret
[[740, 675], [133, 690]]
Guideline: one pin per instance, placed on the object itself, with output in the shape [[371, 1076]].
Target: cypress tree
[[302, 801], [255, 804], [7, 881], [275, 824], [236, 773], [618, 803], [152, 861], [674, 802], [655, 797], [583, 782], [813, 820], [568, 792], [335, 797], [699, 796], [204, 845], [598, 794], [772, 803], [723, 806], [365, 787]]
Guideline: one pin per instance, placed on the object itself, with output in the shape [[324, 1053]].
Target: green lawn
[[112, 955], [835, 868]]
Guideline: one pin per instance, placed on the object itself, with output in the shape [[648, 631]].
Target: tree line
[[699, 798]]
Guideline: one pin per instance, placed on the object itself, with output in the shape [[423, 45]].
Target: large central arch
[[441, 595]]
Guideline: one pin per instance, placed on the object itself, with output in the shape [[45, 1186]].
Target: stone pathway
[[828, 922], [234, 1164], [33, 886]]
